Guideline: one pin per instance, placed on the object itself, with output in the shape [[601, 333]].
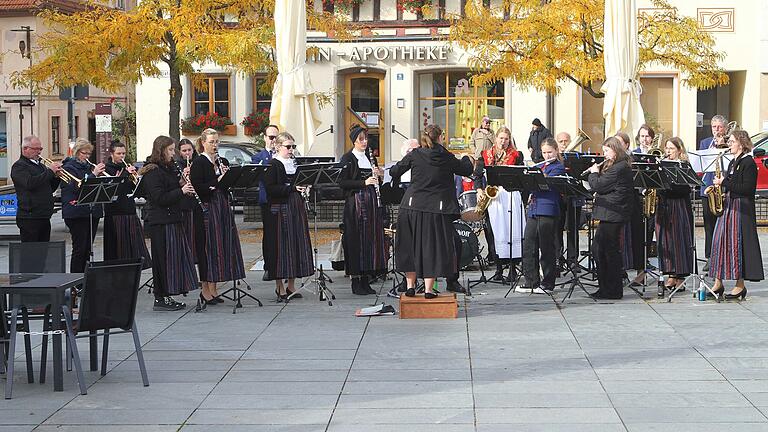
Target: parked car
[[239, 154], [760, 142]]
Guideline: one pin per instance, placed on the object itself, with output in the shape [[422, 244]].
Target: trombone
[[64, 175]]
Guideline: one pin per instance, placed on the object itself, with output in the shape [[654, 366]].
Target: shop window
[[55, 135], [449, 100], [261, 99], [213, 96]]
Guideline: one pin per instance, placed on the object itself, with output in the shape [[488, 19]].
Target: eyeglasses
[[35, 148], [271, 137], [289, 146]]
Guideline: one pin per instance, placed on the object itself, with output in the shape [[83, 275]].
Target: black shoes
[[455, 286], [167, 304], [281, 297], [410, 292], [601, 296], [741, 295], [293, 294], [718, 292], [362, 286], [210, 302], [430, 295]]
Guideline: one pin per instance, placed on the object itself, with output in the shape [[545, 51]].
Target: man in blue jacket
[[718, 125], [541, 226], [263, 158]]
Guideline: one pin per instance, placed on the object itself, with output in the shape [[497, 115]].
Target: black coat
[[163, 192], [534, 142], [741, 179], [352, 177], [432, 187], [278, 183], [203, 176], [34, 185], [613, 192], [124, 205], [70, 192]]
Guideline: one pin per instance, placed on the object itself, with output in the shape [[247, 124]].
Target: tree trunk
[[174, 107]]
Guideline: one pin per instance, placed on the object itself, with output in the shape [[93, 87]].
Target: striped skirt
[[173, 270], [188, 222], [364, 249], [124, 239], [735, 245], [286, 246], [219, 256], [673, 232]]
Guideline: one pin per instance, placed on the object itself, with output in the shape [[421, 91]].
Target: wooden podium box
[[444, 306]]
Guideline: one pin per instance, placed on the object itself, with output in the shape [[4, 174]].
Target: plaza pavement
[[514, 364]]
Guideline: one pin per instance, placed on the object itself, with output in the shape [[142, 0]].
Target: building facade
[[46, 115], [400, 75]]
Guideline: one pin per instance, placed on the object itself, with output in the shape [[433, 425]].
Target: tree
[[543, 43], [108, 48]]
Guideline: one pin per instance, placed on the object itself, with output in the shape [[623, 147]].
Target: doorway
[[364, 105]]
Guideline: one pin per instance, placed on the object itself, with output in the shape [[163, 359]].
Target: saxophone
[[715, 192], [376, 186]]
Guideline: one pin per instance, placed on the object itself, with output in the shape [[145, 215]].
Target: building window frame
[[55, 135], [256, 98], [211, 101]]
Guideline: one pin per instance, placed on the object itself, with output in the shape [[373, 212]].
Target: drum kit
[[468, 227]]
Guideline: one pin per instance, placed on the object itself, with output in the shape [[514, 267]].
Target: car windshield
[[760, 140]]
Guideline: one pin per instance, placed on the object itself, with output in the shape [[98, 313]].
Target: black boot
[[499, 275], [357, 286], [366, 285], [455, 286]]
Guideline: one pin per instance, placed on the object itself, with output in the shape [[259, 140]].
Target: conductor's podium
[[444, 306]]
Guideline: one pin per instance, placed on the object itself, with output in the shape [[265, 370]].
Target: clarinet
[[372, 160], [186, 180]]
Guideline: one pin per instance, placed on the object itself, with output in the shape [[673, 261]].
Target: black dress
[[219, 256], [674, 230], [735, 244], [173, 268], [425, 232], [286, 245], [363, 239], [123, 233]]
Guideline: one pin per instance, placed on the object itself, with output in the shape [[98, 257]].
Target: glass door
[[364, 105]]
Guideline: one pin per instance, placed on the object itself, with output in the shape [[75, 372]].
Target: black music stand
[[576, 164], [244, 176], [571, 188], [682, 174], [314, 176], [516, 178], [647, 175], [96, 190]]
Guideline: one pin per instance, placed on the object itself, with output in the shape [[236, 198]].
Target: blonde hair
[[283, 137], [504, 129], [204, 136], [82, 144], [430, 136], [743, 138]]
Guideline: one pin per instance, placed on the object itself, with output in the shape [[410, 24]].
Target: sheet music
[[703, 161]]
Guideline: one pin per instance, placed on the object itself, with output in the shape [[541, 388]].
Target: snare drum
[[470, 246], [468, 206]]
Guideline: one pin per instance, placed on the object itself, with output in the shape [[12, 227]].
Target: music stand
[[577, 163], [516, 178], [571, 188], [244, 176], [315, 175], [96, 190], [683, 174]]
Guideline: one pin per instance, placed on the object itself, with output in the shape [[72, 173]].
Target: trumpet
[[64, 175], [103, 173], [134, 176]]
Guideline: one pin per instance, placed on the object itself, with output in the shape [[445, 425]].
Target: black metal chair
[[29, 257], [108, 301]]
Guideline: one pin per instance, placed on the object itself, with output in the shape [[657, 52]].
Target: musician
[[173, 266], [425, 243], [123, 233], [563, 141], [718, 125], [365, 253], [286, 246], [645, 136], [612, 183], [262, 158], [219, 257], [186, 154], [497, 222], [735, 245], [541, 226], [674, 223], [632, 239], [82, 220], [569, 220], [34, 184]]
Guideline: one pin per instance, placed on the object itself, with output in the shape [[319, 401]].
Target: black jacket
[[34, 185], [70, 192], [124, 205], [352, 177], [203, 176], [278, 183], [163, 192], [432, 187], [534, 142], [614, 190], [741, 180]]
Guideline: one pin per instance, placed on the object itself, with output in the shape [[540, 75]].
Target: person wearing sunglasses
[[365, 253], [263, 158], [286, 245]]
